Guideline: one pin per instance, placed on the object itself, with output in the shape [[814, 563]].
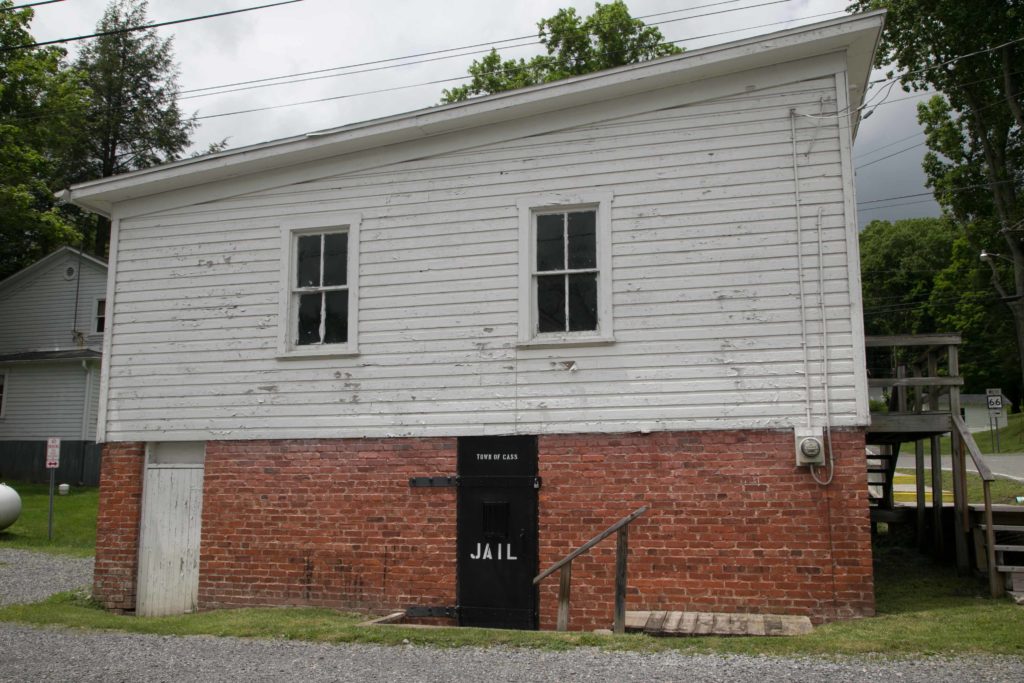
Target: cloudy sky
[[227, 53]]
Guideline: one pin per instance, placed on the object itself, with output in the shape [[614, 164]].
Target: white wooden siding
[[39, 313], [43, 400], [705, 291]]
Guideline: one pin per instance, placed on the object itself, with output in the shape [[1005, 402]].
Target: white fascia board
[[856, 35]]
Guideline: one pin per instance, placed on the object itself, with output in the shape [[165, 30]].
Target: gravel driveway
[[29, 577], [58, 654]]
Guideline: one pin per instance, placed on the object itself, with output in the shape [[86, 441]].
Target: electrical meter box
[[810, 448]]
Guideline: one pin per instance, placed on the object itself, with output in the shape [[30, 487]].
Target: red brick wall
[[327, 522], [117, 525], [733, 526]]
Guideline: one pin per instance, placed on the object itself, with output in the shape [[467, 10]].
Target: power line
[[462, 77], [886, 146], [431, 53], [894, 206], [30, 4], [446, 80], [143, 27], [892, 81], [889, 156], [961, 188], [321, 74]]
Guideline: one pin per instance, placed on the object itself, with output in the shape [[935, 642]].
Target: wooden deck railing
[[965, 438], [565, 564]]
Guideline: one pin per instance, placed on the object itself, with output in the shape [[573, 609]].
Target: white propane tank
[[10, 506]]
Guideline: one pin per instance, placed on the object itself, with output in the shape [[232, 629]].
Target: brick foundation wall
[[117, 525], [733, 526], [332, 523]]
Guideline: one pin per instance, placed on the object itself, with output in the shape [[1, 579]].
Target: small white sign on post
[[994, 399], [52, 453]]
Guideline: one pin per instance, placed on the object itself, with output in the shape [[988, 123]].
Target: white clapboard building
[[53, 314], [639, 286]]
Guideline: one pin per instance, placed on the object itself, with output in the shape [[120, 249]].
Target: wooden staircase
[[1008, 546], [925, 367], [881, 470]]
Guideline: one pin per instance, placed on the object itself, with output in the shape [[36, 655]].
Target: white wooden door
[[172, 506]]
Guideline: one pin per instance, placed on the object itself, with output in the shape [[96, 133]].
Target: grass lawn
[[74, 521], [922, 608], [1011, 438], [1004, 491]]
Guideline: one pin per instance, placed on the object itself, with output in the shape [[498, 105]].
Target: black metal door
[[497, 532]]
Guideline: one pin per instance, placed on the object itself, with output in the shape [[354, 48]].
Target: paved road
[[1008, 465], [30, 654]]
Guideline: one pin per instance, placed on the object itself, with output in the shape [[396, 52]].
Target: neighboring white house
[[54, 313], [633, 287], [976, 411]]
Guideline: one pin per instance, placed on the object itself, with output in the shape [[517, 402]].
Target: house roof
[[981, 399], [46, 261], [856, 36], [37, 356]]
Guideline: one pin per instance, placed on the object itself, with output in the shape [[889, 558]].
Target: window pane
[[336, 325], [335, 259], [582, 245], [583, 302], [550, 242], [551, 303], [309, 318], [309, 261]]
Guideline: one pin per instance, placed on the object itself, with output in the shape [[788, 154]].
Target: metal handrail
[[964, 434], [565, 564]]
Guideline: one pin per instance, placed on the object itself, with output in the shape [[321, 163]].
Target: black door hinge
[[433, 482]]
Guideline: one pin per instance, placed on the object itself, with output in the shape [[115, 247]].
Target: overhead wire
[[29, 4], [383, 64], [462, 77], [491, 43], [142, 27], [886, 146]]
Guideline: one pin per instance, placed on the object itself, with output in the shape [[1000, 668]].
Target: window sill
[[558, 341], [318, 351]]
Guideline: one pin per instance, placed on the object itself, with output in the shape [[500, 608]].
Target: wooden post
[[565, 579], [621, 549], [938, 544], [994, 585], [922, 514], [958, 456]]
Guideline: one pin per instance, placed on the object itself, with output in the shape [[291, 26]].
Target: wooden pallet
[[667, 623]]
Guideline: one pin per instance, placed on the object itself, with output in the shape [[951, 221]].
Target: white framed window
[[319, 312], [565, 274], [3, 392], [99, 316]]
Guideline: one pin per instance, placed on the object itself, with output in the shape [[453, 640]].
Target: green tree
[[41, 108], [923, 275], [899, 262], [962, 300], [971, 53], [575, 45], [134, 120]]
